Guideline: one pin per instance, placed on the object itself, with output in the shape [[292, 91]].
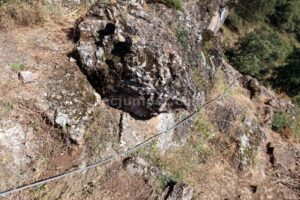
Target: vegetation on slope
[[177, 4], [268, 45]]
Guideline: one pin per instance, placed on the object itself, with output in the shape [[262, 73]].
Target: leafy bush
[[259, 53], [288, 76], [284, 14], [167, 180], [287, 15], [281, 121], [234, 22]]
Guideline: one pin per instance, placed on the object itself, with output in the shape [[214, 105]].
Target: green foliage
[[281, 121], [167, 180], [16, 67], [182, 37], [296, 100], [287, 15], [234, 21], [253, 10], [259, 53], [173, 3], [288, 76], [40, 192], [268, 54], [284, 14]]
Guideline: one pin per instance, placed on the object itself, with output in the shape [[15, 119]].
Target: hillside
[[143, 99]]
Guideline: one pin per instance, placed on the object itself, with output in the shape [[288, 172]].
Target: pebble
[[27, 77], [72, 59]]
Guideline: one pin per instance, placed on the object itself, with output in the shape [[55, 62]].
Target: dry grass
[[101, 133], [296, 126], [220, 86], [19, 13], [28, 13], [183, 160]]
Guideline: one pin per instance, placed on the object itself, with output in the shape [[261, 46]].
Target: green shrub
[[173, 3], [182, 37], [253, 10], [288, 76], [234, 21], [281, 120], [259, 53], [287, 15], [167, 180], [284, 14]]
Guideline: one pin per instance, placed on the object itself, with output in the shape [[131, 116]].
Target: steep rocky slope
[[122, 73]]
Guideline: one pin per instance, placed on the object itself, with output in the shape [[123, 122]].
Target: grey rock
[[62, 120], [134, 131], [180, 191], [140, 167], [217, 20], [14, 148], [27, 77], [139, 71], [252, 85]]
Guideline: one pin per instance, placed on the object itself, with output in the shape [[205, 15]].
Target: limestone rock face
[[134, 61]]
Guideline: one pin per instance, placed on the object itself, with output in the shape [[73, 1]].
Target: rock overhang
[[133, 60]]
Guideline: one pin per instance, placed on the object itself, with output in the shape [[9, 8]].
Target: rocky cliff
[[140, 71], [106, 79]]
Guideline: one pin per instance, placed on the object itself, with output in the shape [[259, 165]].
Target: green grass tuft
[[177, 4], [182, 37], [16, 67], [281, 121]]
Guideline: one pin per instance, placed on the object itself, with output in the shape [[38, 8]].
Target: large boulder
[[133, 60]]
